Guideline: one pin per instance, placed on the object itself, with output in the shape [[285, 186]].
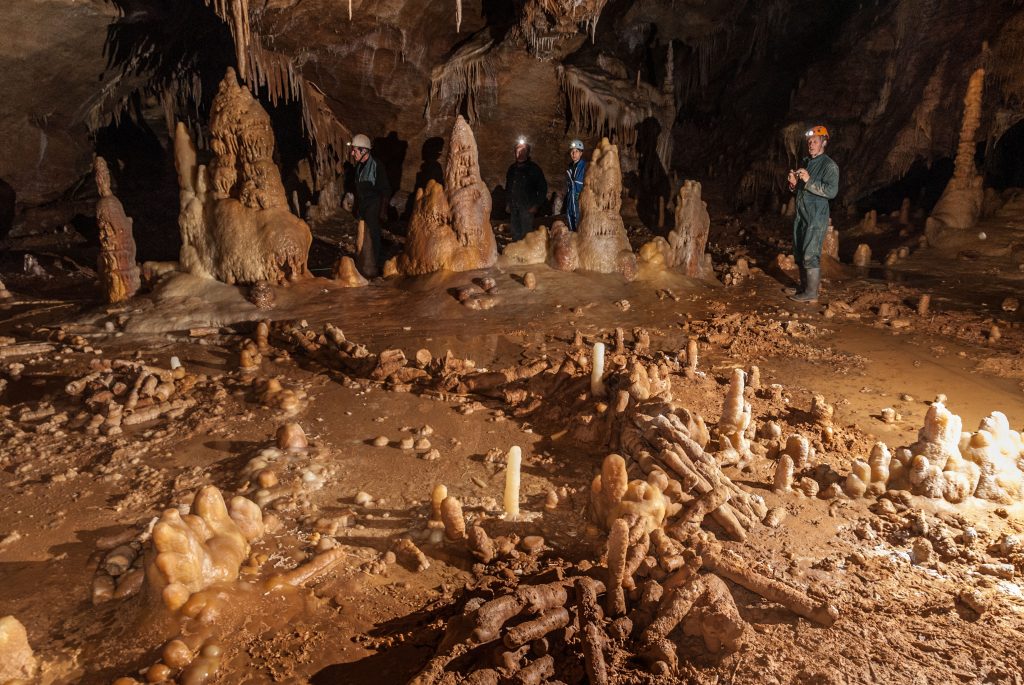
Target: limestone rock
[[16, 658]]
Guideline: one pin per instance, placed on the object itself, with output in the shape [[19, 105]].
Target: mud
[[351, 581]]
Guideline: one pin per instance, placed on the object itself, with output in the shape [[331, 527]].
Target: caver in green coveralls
[[811, 223]]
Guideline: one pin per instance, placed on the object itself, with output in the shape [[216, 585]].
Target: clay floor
[[67, 494]]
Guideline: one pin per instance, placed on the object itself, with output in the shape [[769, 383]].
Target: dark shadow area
[[7, 205], [652, 178], [500, 16], [430, 164], [146, 184], [922, 183], [1004, 166], [390, 151]]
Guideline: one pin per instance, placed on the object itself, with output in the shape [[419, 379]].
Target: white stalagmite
[[512, 464], [597, 388]]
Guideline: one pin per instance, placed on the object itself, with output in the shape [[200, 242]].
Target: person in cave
[[526, 188], [372, 193], [576, 172], [815, 183]]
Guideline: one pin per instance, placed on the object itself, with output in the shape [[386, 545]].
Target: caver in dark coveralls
[[811, 223]]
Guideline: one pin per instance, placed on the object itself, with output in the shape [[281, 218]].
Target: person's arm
[[828, 185]]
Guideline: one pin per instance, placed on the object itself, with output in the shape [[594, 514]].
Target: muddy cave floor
[[863, 347]]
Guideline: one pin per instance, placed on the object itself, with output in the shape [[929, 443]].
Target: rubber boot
[[803, 284], [810, 293]]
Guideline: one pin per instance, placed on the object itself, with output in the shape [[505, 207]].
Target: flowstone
[[450, 229], [119, 273], [234, 218], [201, 548]]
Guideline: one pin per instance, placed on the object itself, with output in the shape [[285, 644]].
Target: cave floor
[[863, 347]]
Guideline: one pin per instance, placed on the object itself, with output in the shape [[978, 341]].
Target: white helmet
[[576, 145], [360, 140]]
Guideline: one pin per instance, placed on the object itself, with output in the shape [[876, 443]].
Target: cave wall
[[51, 58], [886, 77]]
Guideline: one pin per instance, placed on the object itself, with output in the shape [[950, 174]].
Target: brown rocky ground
[[372, 618]]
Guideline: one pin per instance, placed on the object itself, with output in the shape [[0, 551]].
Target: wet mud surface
[[66, 491]]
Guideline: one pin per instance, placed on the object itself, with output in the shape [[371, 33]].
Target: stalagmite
[[862, 256], [618, 540], [783, 481], [597, 388], [234, 219], [691, 356], [603, 244], [437, 496], [118, 270], [736, 418], [513, 462], [451, 515], [450, 228], [690, 235], [960, 204]]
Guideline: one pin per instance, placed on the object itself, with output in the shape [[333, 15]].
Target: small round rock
[[380, 441], [532, 543]]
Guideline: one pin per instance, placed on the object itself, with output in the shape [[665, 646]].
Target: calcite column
[[119, 274]]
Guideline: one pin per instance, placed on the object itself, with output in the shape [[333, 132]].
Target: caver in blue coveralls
[[576, 172]]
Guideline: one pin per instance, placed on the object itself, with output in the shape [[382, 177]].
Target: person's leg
[[572, 216], [813, 239], [520, 223]]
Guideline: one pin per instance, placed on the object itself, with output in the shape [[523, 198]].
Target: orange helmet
[[817, 131]]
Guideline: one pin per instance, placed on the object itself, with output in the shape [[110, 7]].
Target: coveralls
[[527, 188], [576, 172], [811, 223], [372, 188]]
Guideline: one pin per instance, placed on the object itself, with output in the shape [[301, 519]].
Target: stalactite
[[458, 15], [462, 78], [597, 107]]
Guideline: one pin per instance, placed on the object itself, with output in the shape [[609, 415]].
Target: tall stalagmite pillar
[[119, 273], [960, 204]]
